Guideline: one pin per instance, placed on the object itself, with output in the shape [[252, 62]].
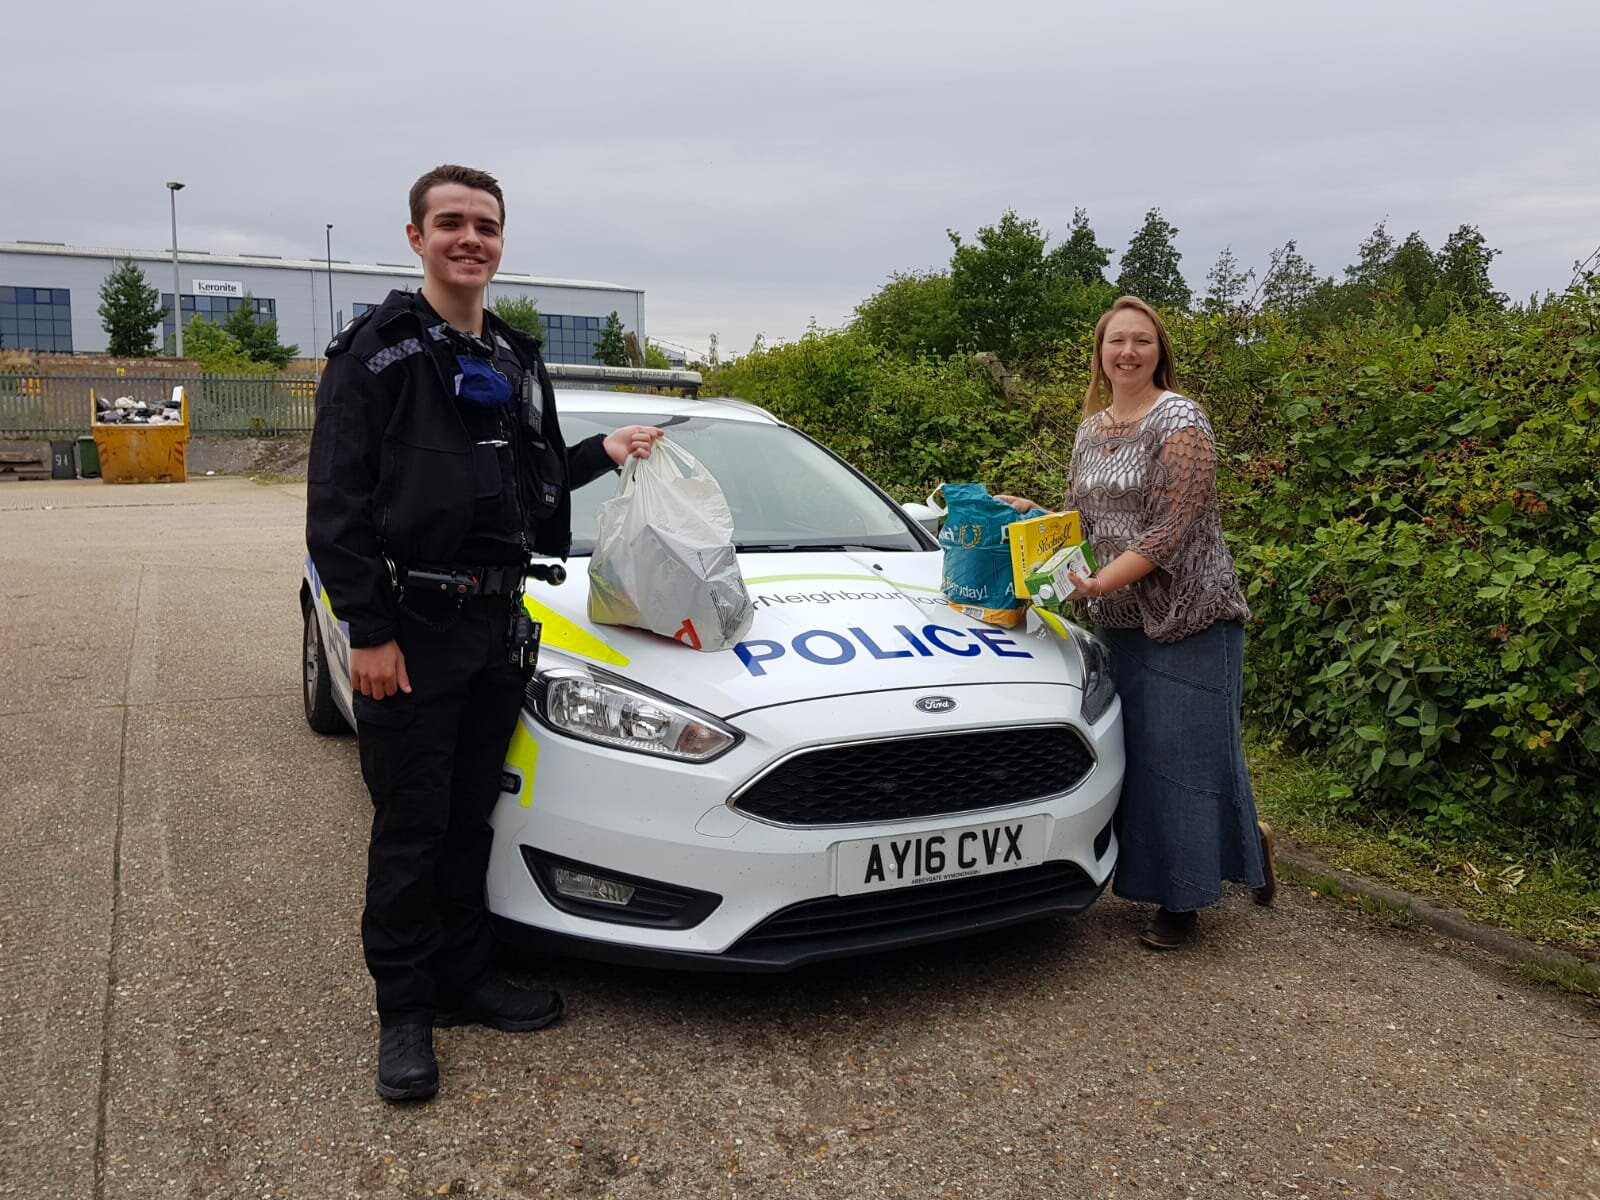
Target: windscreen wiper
[[791, 547]]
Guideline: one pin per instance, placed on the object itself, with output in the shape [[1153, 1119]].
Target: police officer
[[437, 470]]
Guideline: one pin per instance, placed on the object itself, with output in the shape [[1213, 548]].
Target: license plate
[[878, 864]]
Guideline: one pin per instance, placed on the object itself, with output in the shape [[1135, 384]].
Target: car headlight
[[1099, 689], [598, 708]]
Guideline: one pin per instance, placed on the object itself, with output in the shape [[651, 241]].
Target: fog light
[[590, 887]]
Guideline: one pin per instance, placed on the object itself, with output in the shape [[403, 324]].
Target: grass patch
[[1546, 894], [1400, 916], [1582, 980]]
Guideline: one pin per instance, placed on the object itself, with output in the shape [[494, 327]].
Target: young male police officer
[[437, 470]]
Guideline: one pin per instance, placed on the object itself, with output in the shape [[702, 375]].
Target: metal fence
[[62, 406]]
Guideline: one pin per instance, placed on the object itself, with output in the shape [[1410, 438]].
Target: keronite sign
[[218, 287]]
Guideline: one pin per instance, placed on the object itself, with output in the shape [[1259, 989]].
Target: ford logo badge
[[935, 704]]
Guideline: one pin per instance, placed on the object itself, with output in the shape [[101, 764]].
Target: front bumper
[[851, 926], [659, 820]]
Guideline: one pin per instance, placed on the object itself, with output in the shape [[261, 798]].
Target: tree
[[912, 314], [1413, 273], [1080, 257], [1225, 283], [130, 310], [1079, 264], [258, 338], [519, 312], [1009, 295], [656, 358], [1374, 260], [611, 350], [1150, 265], [1291, 282], [1463, 263]]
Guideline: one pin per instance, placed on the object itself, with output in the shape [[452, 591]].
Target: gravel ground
[[283, 457], [184, 994]]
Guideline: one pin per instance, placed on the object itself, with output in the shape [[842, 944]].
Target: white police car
[[867, 769]]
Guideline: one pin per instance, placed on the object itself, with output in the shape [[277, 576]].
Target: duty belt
[[460, 582]]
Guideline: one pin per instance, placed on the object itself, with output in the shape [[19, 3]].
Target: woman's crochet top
[[1150, 486]]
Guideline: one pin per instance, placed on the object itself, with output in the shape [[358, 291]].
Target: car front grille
[[907, 778], [924, 912]]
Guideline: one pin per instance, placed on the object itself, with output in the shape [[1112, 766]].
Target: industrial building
[[50, 296]]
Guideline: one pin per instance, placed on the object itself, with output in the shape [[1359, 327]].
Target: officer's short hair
[[451, 173]]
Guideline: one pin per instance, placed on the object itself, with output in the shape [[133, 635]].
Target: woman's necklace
[[1119, 427], [1136, 411]]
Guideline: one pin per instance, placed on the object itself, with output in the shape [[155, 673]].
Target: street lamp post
[[332, 324], [177, 302]]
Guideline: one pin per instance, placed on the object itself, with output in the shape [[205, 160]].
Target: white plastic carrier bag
[[664, 558]]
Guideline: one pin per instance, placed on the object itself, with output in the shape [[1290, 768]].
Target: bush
[[218, 352], [1414, 513], [908, 423], [1419, 527]]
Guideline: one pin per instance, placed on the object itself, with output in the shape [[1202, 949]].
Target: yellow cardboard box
[[1034, 540]]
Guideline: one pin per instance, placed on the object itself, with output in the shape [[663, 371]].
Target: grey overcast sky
[[757, 165]]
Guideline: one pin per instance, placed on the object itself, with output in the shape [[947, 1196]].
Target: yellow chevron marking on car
[[327, 602], [522, 756], [561, 634], [907, 587], [1053, 621]]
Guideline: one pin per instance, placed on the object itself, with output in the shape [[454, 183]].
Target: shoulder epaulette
[[341, 341]]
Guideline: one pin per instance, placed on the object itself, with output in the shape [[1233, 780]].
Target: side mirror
[[925, 515]]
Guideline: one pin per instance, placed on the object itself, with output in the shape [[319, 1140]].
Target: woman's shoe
[[1269, 868], [1168, 930]]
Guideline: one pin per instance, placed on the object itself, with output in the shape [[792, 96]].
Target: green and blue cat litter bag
[[977, 577]]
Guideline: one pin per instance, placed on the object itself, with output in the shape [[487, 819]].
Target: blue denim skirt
[[1187, 820]]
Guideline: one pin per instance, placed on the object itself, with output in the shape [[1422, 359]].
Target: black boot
[[1169, 930], [407, 1069], [500, 1005], [1269, 865]]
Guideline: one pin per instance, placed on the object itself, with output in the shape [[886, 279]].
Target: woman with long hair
[[1167, 602]]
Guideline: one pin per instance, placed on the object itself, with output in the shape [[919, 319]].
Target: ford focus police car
[[867, 769]]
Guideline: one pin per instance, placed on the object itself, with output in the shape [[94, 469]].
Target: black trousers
[[432, 761]]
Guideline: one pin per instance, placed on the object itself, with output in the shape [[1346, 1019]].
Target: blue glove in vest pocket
[[479, 383]]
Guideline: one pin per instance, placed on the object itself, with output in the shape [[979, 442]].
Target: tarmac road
[[186, 1014]]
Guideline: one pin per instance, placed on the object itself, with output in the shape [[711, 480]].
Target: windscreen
[[785, 492]]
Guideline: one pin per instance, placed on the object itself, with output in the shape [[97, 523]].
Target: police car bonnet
[[827, 625]]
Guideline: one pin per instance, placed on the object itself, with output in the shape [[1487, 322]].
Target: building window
[[35, 318], [571, 339], [216, 309]]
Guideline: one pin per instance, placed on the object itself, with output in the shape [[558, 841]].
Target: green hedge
[[1414, 512]]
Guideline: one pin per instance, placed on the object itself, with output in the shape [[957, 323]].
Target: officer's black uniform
[[435, 450]]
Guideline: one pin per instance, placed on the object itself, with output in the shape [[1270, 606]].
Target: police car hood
[[826, 624]]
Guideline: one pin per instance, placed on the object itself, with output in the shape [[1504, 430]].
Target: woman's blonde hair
[[1166, 377]]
